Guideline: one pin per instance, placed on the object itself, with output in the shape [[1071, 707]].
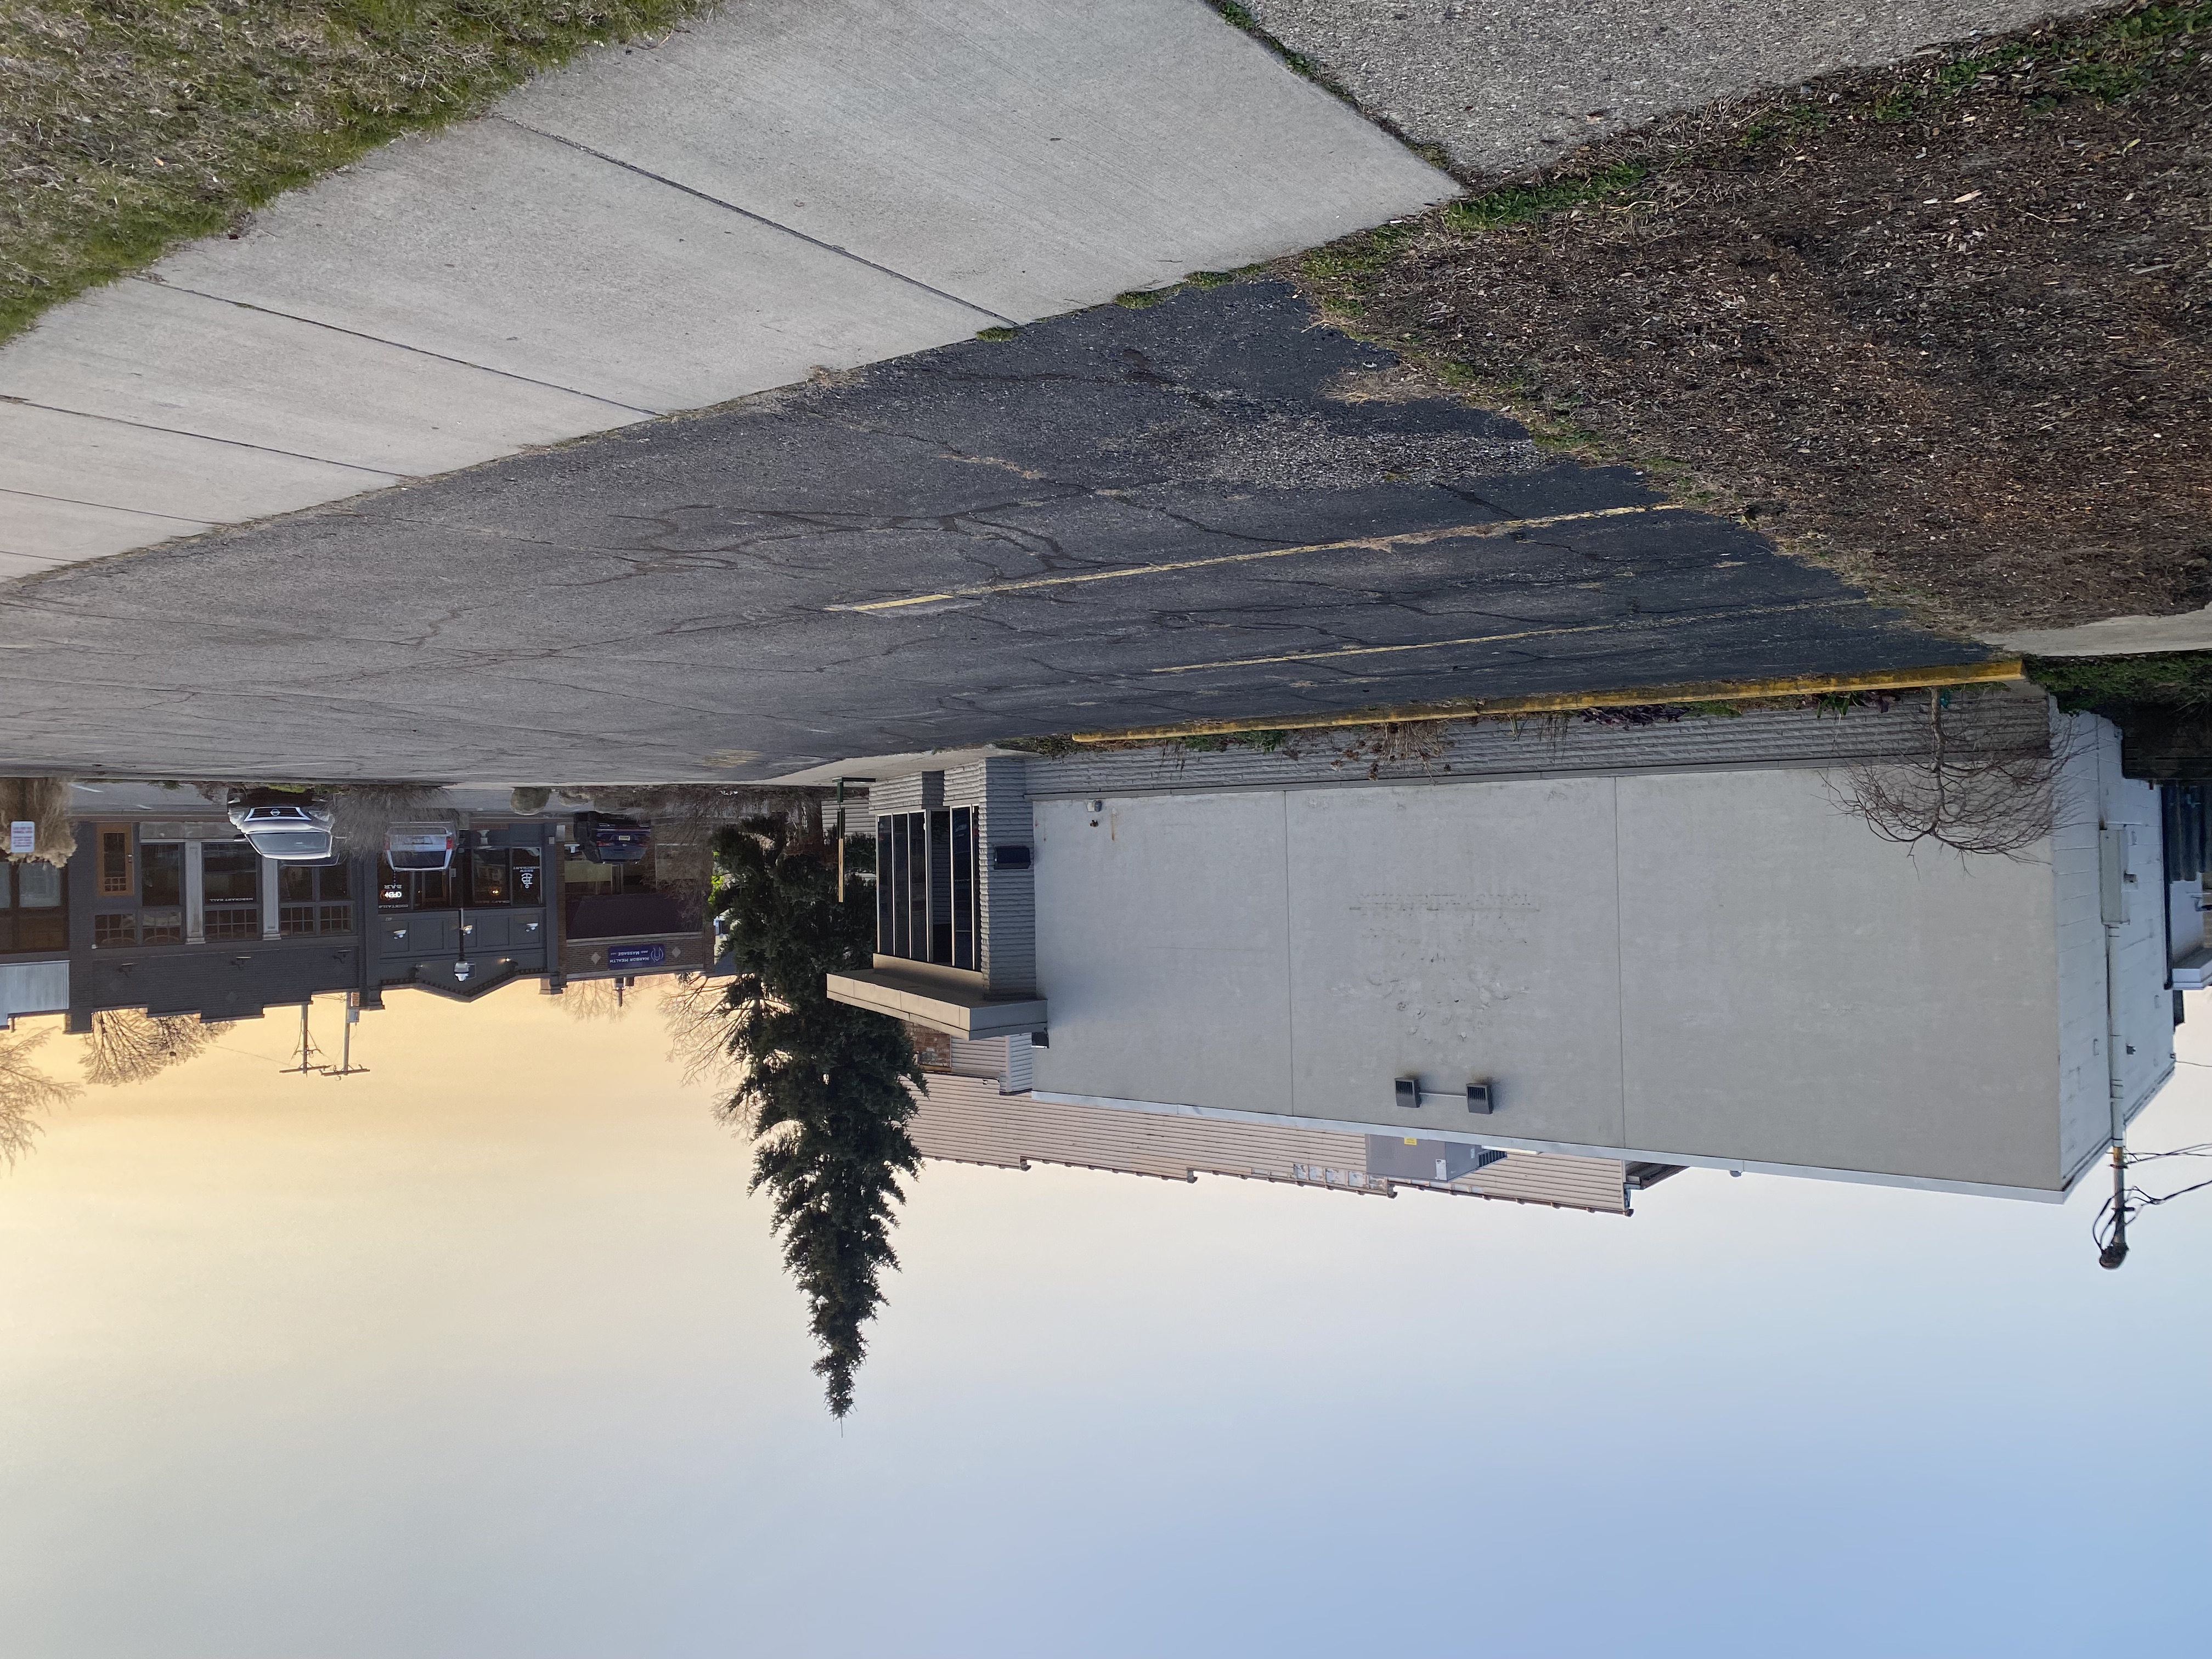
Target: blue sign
[[636, 955]]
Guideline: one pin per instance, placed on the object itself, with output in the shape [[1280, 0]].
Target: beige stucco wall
[[1716, 965]]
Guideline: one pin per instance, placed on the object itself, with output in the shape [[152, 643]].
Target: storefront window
[[231, 885], [490, 879], [413, 889], [586, 876], [231, 870], [162, 865], [313, 899], [31, 915], [37, 886]]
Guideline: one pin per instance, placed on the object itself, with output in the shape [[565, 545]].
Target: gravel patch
[[1499, 85]]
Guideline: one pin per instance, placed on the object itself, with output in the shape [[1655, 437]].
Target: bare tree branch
[[697, 1012], [25, 1090], [1976, 798], [126, 1046], [594, 999]]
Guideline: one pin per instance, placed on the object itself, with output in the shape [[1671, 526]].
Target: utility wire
[[2117, 1210]]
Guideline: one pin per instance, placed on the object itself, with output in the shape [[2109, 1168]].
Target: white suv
[[286, 832]]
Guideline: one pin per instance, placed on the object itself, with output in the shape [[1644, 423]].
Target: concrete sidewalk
[[783, 188]]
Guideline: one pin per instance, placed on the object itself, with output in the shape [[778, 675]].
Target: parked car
[[608, 838], [285, 829], [420, 846]]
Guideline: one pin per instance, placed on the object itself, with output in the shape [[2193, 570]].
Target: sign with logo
[[22, 838], [636, 955]]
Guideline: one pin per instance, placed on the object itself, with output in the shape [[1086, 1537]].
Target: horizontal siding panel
[[966, 1120]]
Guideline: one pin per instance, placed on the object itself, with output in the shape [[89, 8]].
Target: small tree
[[25, 1090], [1962, 792], [127, 1046], [45, 803], [823, 1092], [592, 998], [696, 1010]]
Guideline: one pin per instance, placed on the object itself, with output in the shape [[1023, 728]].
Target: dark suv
[[608, 838]]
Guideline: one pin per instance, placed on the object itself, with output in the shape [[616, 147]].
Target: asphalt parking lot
[[1212, 508]]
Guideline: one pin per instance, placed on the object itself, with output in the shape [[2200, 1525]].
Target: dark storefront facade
[[178, 915]]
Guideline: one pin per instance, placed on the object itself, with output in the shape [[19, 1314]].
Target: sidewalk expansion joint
[[400, 345], [384, 472], [760, 219]]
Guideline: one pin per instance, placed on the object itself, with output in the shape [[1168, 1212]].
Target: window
[[489, 880], [529, 872], [413, 889], [926, 886], [162, 864], [230, 885], [313, 899], [32, 916], [160, 893], [580, 876], [231, 870], [117, 879], [109, 931], [38, 887]]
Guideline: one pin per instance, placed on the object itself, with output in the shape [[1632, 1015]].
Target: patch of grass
[[1052, 746], [1513, 205], [2115, 60], [129, 126], [2171, 679], [1211, 278], [1345, 261], [997, 332], [1896, 106], [1960, 73], [1137, 299], [2107, 62], [2109, 82]]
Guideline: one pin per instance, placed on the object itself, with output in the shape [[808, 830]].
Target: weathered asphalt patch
[[1085, 527]]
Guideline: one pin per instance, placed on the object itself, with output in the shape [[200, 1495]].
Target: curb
[[1997, 670]]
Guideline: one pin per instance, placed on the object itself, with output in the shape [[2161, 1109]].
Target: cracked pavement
[[1213, 507]]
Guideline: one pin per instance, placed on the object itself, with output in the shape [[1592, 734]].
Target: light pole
[[2116, 1249]]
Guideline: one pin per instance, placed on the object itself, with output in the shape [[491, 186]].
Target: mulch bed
[[1946, 326]]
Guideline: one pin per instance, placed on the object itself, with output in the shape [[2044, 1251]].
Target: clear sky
[[486, 1354]]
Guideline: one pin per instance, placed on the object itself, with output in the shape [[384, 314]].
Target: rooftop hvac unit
[[1404, 1157]]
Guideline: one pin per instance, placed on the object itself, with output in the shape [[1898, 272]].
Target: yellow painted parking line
[[2000, 670], [1336, 651], [1376, 544]]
